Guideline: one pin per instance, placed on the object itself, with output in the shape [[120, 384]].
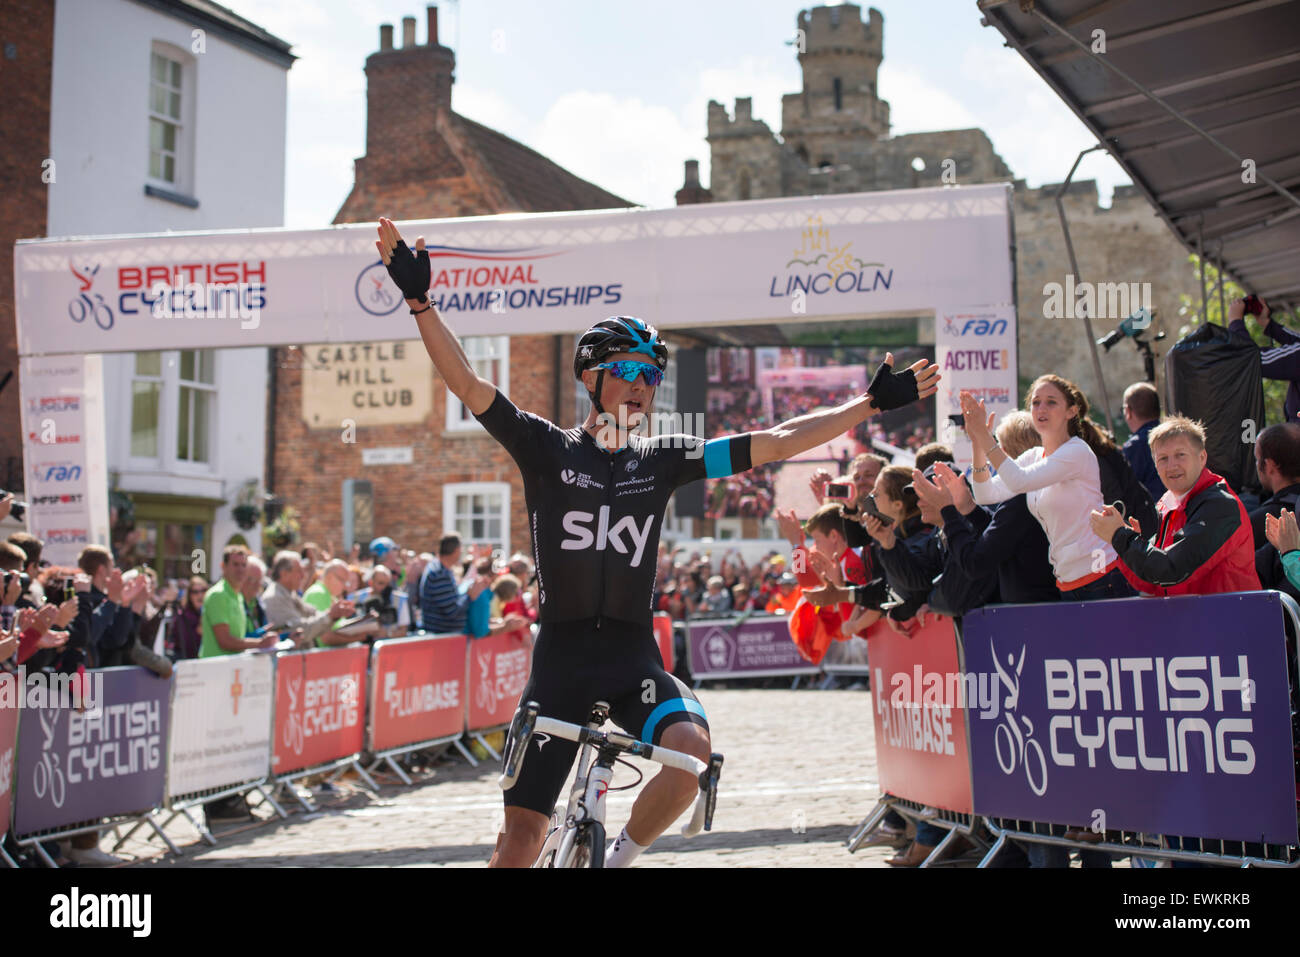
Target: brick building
[[28, 52], [835, 138], [337, 413]]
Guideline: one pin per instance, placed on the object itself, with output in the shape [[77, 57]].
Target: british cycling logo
[[962, 324], [541, 737], [83, 306], [483, 279], [1013, 738], [818, 266]]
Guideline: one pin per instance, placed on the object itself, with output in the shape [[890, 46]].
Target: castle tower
[[838, 109]]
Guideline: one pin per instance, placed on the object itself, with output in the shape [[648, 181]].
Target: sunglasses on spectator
[[628, 370]]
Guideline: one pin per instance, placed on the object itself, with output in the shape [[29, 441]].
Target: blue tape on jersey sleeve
[[717, 457]]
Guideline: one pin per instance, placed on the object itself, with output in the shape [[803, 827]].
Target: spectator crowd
[[1052, 509]]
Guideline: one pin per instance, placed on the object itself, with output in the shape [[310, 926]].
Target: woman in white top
[[1061, 482]]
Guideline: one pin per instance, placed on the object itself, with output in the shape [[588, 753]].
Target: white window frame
[[159, 435], [452, 489], [183, 166], [169, 419], [197, 386], [458, 419]]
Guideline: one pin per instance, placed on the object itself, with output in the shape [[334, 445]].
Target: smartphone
[[843, 491], [958, 420], [869, 506], [69, 589], [1253, 305]]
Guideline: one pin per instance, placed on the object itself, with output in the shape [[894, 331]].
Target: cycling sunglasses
[[628, 370]]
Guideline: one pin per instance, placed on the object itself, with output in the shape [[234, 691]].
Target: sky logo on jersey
[[576, 524]]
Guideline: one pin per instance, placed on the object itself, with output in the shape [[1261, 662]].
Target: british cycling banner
[[498, 670], [917, 711], [319, 707], [8, 739], [109, 760], [1166, 716], [417, 691], [879, 253], [221, 722]]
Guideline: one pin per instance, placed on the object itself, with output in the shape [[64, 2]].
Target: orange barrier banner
[[918, 715], [319, 705], [663, 625], [498, 670], [418, 692]]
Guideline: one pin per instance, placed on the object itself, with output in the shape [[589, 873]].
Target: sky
[[617, 92]]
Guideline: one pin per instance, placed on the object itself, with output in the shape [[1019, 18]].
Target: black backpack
[[1120, 484]]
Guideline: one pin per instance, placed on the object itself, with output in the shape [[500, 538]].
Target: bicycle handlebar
[[528, 722]]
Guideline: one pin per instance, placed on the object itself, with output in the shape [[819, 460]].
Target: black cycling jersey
[[595, 515]]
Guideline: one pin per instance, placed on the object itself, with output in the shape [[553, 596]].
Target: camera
[[25, 581], [16, 508], [841, 491], [1253, 305]]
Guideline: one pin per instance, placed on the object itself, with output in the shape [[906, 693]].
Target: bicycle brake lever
[[710, 802], [521, 733]]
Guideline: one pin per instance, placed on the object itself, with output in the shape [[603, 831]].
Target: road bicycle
[[578, 838]]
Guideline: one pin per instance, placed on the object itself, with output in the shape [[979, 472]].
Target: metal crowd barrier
[[1136, 844]]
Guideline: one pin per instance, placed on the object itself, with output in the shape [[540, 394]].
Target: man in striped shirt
[[443, 607]]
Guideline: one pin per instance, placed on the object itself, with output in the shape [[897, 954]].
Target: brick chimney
[[405, 90], [692, 192]]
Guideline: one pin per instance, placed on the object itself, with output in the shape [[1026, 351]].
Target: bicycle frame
[[586, 798], [599, 751]]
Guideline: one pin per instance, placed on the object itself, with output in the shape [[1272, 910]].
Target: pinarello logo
[[568, 477]]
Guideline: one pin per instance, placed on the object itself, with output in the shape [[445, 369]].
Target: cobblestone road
[[800, 773]]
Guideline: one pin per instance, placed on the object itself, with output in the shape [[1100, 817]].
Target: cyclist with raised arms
[[596, 496]]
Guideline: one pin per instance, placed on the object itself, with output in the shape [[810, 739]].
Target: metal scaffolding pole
[[1074, 270]]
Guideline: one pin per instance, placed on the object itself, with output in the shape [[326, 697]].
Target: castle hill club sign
[[370, 383], [919, 252]]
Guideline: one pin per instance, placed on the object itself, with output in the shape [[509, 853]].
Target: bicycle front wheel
[[589, 846]]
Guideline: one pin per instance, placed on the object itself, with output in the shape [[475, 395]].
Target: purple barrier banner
[[109, 760], [1161, 715], [8, 738], [753, 649]]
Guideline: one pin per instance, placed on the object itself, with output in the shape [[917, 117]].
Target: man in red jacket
[[1205, 544]]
